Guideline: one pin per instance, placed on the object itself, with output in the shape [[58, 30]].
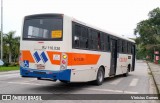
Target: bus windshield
[[43, 29]]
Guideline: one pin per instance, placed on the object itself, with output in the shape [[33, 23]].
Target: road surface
[[137, 82]]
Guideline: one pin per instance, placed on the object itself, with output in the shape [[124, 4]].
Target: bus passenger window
[[123, 47], [76, 41], [102, 41], [87, 43], [77, 34], [99, 43], [84, 37]]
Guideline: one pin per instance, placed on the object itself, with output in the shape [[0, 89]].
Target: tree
[[148, 32], [11, 46]]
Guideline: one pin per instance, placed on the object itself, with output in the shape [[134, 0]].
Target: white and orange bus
[[58, 47]]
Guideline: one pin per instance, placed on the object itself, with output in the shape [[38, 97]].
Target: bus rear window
[[43, 29]]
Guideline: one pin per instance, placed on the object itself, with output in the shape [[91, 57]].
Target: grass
[[8, 68]]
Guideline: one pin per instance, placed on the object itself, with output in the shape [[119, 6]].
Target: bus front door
[[113, 47]]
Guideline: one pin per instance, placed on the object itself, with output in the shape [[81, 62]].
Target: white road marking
[[26, 80], [133, 82], [30, 80], [24, 83], [111, 90], [115, 82], [10, 75]]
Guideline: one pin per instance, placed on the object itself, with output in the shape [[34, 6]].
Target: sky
[[117, 16]]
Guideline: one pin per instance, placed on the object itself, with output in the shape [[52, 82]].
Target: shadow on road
[[70, 87]]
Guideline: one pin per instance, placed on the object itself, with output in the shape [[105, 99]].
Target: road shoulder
[[155, 72]]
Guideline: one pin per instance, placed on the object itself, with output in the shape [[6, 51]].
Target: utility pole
[[2, 30]]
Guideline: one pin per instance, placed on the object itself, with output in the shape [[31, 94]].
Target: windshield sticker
[[57, 34]]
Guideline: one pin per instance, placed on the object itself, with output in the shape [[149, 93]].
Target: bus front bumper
[[46, 74]]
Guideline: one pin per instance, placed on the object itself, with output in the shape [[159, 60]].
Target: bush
[[13, 64], [6, 64]]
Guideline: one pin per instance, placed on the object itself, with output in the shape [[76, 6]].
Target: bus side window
[[123, 46], [108, 43], [101, 41], [77, 34], [129, 48], [90, 42], [84, 37], [119, 45], [95, 39]]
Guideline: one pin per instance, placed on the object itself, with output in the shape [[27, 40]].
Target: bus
[[59, 47]]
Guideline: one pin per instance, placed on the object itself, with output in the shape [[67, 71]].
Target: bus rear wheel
[[100, 76], [128, 69], [63, 81]]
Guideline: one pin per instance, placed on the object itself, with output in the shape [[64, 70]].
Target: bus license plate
[[40, 66]]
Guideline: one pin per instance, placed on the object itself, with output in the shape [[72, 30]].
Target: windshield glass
[[43, 29]]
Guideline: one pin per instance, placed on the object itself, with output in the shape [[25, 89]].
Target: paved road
[[138, 82]]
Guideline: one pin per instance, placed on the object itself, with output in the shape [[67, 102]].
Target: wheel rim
[[100, 76]]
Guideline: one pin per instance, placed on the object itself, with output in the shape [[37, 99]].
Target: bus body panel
[[89, 72], [123, 61]]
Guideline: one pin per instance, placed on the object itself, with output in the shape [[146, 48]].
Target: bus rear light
[[63, 62], [64, 56], [62, 67]]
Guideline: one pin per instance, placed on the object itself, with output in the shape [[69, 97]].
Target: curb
[[154, 80]]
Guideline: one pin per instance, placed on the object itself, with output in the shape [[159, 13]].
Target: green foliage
[[11, 45], [9, 68], [148, 35], [6, 64]]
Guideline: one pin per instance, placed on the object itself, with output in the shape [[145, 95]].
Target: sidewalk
[[155, 69]]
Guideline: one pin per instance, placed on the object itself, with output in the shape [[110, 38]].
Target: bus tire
[[38, 78], [63, 81], [126, 74], [100, 76]]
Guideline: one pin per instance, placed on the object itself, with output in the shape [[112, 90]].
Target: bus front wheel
[[100, 76]]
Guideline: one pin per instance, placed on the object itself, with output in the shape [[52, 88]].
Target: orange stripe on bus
[[75, 58], [82, 59], [26, 55]]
